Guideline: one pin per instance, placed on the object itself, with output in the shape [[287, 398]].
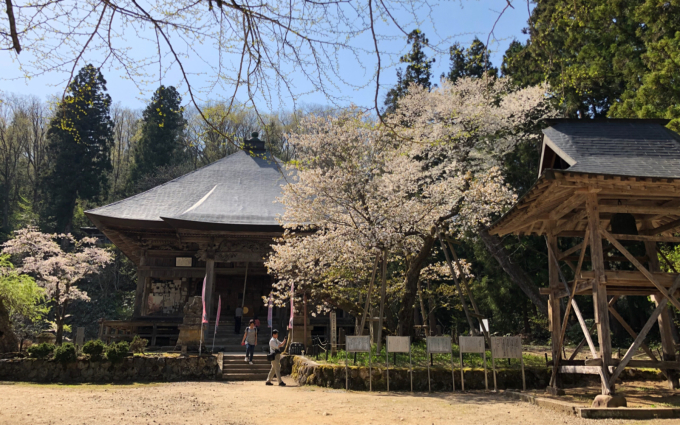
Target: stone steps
[[235, 368]]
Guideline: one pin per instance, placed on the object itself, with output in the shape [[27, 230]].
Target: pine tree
[[80, 140], [161, 142], [519, 64], [418, 70], [470, 62]]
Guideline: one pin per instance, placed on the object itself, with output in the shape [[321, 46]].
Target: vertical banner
[[217, 321], [292, 305], [269, 311], [205, 315], [219, 310]]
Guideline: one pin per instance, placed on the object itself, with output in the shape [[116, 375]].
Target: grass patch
[[421, 359]]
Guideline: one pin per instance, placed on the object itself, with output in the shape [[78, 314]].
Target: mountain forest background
[[601, 59]]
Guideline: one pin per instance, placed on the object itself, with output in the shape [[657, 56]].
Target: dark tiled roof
[[238, 189], [643, 148]]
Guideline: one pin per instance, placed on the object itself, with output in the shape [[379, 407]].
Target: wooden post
[[600, 291], [664, 320], [554, 313], [140, 292]]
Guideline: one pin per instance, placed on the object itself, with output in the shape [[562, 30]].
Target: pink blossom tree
[[57, 270], [363, 188]]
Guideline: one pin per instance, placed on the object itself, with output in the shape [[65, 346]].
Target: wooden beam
[[664, 228], [640, 209], [573, 249], [581, 344], [643, 333], [628, 329], [600, 291], [568, 309], [644, 238], [571, 222], [640, 267], [632, 278], [573, 202], [664, 320]]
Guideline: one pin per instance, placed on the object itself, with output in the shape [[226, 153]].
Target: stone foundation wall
[[307, 372], [139, 368]]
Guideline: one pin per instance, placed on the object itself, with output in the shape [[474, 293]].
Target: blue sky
[[450, 21]]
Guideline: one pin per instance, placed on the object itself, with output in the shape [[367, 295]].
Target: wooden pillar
[[140, 293], [554, 307], [600, 300], [664, 320]]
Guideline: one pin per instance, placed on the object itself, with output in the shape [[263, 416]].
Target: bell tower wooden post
[[600, 300], [554, 307], [664, 320]]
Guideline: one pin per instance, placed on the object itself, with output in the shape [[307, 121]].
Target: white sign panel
[[334, 330], [484, 326], [358, 344], [398, 344], [182, 261], [439, 344], [508, 347], [471, 344]]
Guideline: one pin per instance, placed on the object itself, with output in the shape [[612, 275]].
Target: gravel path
[[253, 403]]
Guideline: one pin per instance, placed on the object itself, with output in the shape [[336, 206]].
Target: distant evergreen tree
[[161, 141], [418, 70], [80, 140], [519, 64], [470, 62]]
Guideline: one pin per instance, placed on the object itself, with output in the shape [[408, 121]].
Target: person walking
[[250, 341], [257, 323], [238, 314], [275, 357]]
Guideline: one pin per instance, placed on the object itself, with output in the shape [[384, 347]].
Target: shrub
[[138, 344], [41, 351], [94, 349], [116, 352], [65, 353]]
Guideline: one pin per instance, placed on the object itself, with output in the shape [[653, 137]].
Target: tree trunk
[[60, 317], [432, 322], [8, 341], [495, 246], [411, 285]]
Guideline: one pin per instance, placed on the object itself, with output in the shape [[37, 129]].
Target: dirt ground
[[638, 394], [253, 403]]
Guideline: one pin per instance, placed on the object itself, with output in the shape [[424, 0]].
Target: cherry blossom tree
[[363, 188], [57, 270]]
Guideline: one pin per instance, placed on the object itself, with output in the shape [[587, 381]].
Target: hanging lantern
[[624, 224]]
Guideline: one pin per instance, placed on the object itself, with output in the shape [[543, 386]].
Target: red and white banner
[[219, 310], [205, 315], [292, 305]]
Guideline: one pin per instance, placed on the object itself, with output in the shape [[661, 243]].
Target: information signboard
[[472, 344], [358, 344], [398, 344], [508, 347], [439, 344]]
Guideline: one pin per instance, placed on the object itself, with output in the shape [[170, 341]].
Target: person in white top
[[274, 346]]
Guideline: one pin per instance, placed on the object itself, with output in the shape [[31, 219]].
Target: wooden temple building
[[216, 222], [607, 195]]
